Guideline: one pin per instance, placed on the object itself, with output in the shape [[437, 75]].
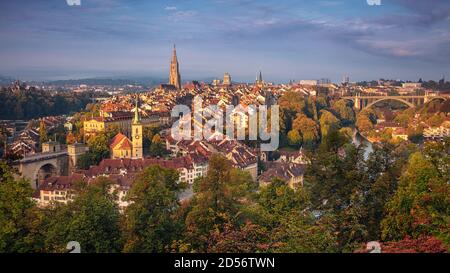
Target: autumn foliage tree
[[149, 225], [219, 199], [421, 204]]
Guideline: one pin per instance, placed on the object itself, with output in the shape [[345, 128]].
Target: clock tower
[[136, 133]]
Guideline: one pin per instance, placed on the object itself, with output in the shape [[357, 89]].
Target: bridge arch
[[409, 104], [44, 171], [430, 99]]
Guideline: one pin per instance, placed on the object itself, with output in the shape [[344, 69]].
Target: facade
[[437, 132], [122, 173], [400, 133], [292, 173], [309, 82], [226, 79], [239, 155], [174, 77], [75, 151], [103, 124], [122, 147], [411, 85]]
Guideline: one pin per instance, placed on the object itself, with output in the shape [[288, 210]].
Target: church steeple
[[137, 133], [174, 77], [259, 79], [137, 118]]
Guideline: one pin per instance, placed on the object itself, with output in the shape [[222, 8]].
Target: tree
[[308, 130], [345, 111], [148, 133], [384, 167], [219, 198], [421, 205], [150, 224], [42, 132], [363, 123], [18, 102], [248, 238], [98, 150], [301, 233], [279, 201], [424, 244], [157, 148], [327, 122], [291, 104], [92, 219], [337, 182], [286, 216], [294, 138], [17, 213]]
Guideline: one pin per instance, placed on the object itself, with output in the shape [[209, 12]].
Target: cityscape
[[288, 161]]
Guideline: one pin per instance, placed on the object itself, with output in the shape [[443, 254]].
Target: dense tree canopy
[[32, 103]]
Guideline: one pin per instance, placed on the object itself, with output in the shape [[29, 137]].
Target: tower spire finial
[[136, 119]]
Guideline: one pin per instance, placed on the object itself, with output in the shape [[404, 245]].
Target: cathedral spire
[[174, 54], [259, 79], [174, 77]]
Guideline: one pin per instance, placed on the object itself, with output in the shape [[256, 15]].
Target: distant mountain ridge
[[109, 81]]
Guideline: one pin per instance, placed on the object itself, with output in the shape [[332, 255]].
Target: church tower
[[259, 79], [174, 78], [136, 132]]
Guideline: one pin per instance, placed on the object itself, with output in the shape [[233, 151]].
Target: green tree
[[248, 238], [157, 148], [150, 224], [98, 150], [17, 213], [220, 198], [304, 234], [345, 111], [421, 205], [337, 181], [92, 219], [327, 122]]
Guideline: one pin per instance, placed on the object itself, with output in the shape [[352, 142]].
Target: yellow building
[[122, 147], [103, 124]]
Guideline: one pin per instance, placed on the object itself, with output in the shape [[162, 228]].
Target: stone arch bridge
[[38, 167], [366, 101]]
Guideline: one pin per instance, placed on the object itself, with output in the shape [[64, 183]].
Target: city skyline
[[287, 40]]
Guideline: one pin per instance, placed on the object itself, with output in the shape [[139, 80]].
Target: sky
[[285, 39]]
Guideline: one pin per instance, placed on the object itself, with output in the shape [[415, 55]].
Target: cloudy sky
[[286, 39]]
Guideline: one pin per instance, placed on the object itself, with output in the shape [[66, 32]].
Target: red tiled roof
[[120, 139]]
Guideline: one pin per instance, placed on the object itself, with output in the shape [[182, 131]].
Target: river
[[358, 139]]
